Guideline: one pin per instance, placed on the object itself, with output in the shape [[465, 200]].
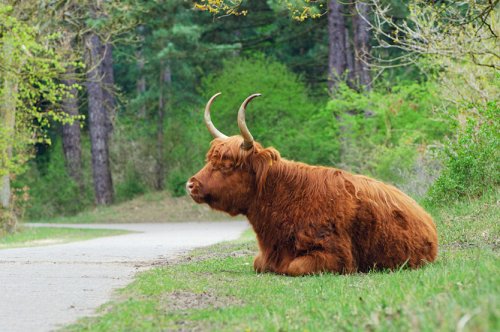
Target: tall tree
[[29, 67], [141, 82], [108, 84], [103, 184], [337, 51], [344, 55], [351, 76], [362, 43], [165, 79], [8, 220], [8, 117], [71, 142]]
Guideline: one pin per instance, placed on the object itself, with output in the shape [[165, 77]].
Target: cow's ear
[[262, 162]]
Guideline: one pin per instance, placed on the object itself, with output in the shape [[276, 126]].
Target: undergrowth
[[472, 161]]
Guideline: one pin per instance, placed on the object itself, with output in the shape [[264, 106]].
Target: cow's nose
[[189, 187]]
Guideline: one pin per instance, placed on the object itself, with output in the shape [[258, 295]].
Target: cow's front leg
[[258, 264], [318, 262]]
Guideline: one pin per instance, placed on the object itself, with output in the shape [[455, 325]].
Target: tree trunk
[[8, 101], [72, 145], [141, 82], [351, 77], [5, 191], [237, 39], [108, 84], [165, 77], [141, 88], [362, 44], [336, 35], [7, 117], [103, 184]]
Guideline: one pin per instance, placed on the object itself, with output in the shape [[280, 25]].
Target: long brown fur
[[311, 219]]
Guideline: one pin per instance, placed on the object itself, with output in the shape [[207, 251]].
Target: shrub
[[472, 162], [284, 117], [177, 182], [51, 190], [131, 186], [386, 133]]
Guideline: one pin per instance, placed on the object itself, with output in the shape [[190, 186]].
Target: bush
[[472, 162], [177, 182], [391, 144], [284, 117], [52, 192], [131, 186], [386, 133]]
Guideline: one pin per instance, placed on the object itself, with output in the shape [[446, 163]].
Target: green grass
[[469, 222], [459, 292], [39, 236]]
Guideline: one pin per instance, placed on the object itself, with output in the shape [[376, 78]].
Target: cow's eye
[[227, 167]]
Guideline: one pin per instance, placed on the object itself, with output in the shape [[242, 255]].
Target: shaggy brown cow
[[310, 219]]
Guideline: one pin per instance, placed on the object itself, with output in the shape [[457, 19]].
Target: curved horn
[[210, 126], [248, 139]]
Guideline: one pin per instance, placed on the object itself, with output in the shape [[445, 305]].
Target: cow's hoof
[[297, 268]]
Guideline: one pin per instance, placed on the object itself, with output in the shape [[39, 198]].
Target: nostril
[[190, 185]]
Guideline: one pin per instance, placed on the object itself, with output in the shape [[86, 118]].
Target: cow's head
[[236, 169]]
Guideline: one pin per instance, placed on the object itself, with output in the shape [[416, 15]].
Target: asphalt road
[[43, 288]]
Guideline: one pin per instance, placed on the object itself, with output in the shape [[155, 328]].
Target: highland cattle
[[311, 219]]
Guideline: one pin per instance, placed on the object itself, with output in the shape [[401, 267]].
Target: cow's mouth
[[196, 193], [200, 199]]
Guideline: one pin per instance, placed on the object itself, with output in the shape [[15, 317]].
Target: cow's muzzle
[[196, 191], [189, 187]]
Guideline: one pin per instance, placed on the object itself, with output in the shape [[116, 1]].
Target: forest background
[[102, 101]]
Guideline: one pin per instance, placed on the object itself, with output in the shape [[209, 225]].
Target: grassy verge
[[217, 290], [472, 223], [154, 207], [39, 236]]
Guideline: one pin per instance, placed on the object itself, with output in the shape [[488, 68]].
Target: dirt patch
[[183, 301], [198, 258], [45, 241], [180, 302], [243, 253], [492, 243], [455, 246]]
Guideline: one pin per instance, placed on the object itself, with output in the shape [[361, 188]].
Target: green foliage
[[51, 190], [284, 117], [398, 110], [29, 70], [131, 186], [133, 151], [299, 10], [472, 162], [177, 182], [265, 52], [386, 133]]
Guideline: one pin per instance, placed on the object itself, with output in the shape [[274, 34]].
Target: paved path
[[42, 288]]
